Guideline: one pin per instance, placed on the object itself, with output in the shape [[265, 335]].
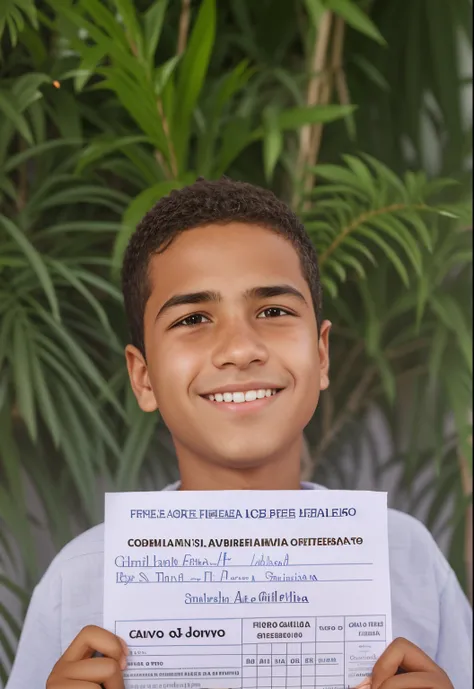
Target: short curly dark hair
[[206, 202]]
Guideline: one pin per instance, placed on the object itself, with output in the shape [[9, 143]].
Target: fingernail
[[123, 663], [124, 645]]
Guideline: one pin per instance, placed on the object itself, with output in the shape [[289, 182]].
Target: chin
[[241, 455]]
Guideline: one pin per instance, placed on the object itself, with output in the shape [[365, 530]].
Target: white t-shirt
[[428, 605]]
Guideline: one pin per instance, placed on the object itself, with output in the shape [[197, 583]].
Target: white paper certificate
[[252, 589]]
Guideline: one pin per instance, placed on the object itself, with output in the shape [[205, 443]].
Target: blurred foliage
[[107, 106]]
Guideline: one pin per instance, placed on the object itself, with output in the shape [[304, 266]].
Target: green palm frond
[[13, 14], [56, 339], [11, 627], [101, 114], [361, 210], [403, 326]]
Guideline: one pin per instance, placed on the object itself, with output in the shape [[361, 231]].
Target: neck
[[278, 473]]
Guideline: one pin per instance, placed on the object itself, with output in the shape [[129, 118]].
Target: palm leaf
[[12, 15]]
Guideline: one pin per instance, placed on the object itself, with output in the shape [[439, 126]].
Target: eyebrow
[[210, 296]]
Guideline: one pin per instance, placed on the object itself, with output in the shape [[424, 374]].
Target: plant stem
[[361, 219], [348, 365], [183, 30], [325, 97], [408, 348], [318, 63], [352, 406], [339, 74], [408, 374], [22, 180], [173, 161], [183, 26], [330, 429]]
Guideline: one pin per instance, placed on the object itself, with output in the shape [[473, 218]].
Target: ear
[[139, 379], [324, 354]]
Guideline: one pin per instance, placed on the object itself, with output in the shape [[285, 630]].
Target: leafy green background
[[350, 110]]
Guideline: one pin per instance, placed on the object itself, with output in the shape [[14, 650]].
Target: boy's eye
[[193, 319], [273, 312]]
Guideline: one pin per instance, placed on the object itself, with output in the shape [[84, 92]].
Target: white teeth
[[239, 397]]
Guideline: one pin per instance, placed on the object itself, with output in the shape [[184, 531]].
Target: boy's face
[[231, 336]]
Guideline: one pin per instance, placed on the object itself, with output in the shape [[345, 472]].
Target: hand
[[77, 669], [420, 672]]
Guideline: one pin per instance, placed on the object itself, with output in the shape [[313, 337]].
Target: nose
[[239, 345]]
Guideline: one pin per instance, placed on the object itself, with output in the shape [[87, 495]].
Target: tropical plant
[[107, 106], [403, 339]]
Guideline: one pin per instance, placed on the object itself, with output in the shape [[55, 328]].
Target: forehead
[[228, 257]]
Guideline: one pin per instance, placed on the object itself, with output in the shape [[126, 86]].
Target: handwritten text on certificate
[[251, 589]]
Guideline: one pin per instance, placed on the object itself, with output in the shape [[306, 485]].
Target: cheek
[[301, 358], [308, 383], [175, 372], [299, 350]]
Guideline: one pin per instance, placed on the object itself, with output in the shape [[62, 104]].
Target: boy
[[223, 299]]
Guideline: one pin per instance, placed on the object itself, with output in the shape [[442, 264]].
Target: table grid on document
[[320, 655], [318, 664]]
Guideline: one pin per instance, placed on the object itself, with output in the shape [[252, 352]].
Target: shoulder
[[70, 594], [405, 530], [413, 547], [80, 562], [88, 544], [89, 541]]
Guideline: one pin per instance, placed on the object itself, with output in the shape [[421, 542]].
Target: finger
[[101, 670], [124, 645], [415, 680], [71, 684], [92, 639], [404, 654]]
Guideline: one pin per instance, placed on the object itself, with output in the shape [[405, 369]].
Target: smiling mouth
[[249, 397]]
